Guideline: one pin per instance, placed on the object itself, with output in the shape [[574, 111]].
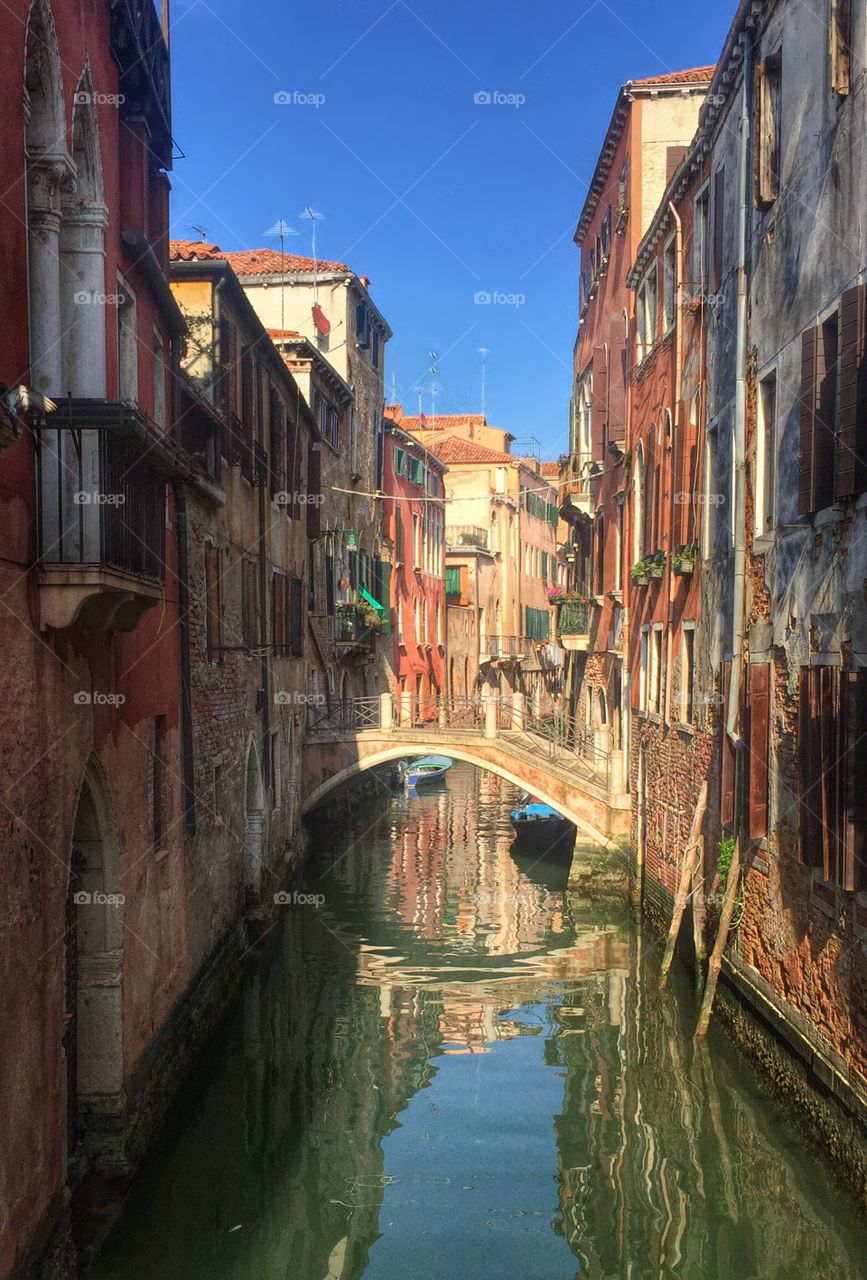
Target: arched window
[[662, 517]]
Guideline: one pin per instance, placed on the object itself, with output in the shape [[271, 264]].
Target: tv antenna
[[312, 216], [433, 387], [484, 352], [282, 229], [202, 231]]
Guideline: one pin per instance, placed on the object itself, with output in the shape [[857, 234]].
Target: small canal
[[442, 1068]]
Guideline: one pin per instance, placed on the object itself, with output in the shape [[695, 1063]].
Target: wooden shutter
[[679, 494], [617, 346], [247, 391], [809, 763], [229, 347], [825, 429], [650, 524], [314, 493], [759, 677], [828, 770], [853, 705], [292, 437], [840, 45], [850, 467], [719, 204], [674, 157], [278, 614], [599, 408], [296, 616], [249, 604], [809, 385], [727, 753]]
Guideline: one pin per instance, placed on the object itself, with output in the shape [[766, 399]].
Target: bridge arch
[[513, 770]]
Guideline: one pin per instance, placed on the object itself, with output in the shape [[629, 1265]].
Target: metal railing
[[564, 731], [504, 646], [466, 535], [574, 619], [352, 628], [344, 715]]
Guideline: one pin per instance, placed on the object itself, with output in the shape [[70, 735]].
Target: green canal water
[[446, 1070]]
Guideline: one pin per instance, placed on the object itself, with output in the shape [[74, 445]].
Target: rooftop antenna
[[433, 387], [282, 229], [484, 352], [420, 390], [202, 231], [312, 216], [393, 387]]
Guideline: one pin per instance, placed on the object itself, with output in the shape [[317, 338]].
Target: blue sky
[[433, 195]]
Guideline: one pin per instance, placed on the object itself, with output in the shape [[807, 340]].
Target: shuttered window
[[286, 616], [247, 406], [453, 581], [314, 493], [599, 408], [277, 452], [759, 692], [854, 708], [296, 617], [850, 455], [727, 753], [617, 334], [768, 130], [674, 157], [820, 770], [818, 413], [840, 45], [249, 604]]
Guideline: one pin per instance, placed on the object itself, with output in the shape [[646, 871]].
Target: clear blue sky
[[433, 196]]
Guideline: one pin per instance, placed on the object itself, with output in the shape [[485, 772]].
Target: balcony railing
[[352, 630], [574, 619], [504, 646], [465, 535]]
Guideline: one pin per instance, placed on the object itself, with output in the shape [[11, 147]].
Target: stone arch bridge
[[549, 757]]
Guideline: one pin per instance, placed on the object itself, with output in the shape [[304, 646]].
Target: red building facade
[[413, 527]]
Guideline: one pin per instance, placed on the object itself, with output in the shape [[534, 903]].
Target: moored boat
[[541, 829], [428, 769]]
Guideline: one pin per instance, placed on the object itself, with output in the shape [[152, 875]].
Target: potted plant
[[556, 595], [683, 561], [656, 565], [640, 574]]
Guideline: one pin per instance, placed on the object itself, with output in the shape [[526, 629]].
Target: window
[[646, 314], [719, 207], [700, 223], [362, 325], [600, 554], [213, 605], [605, 237], [768, 125], [708, 515], [159, 372], [850, 457], [642, 668], [840, 44], [400, 463], [623, 196], [759, 736], [538, 622], [398, 534], [669, 283], [416, 541], [766, 457], [618, 543], [127, 344], [416, 471], [687, 674], [727, 752], [832, 765], [249, 604], [453, 581], [819, 347], [374, 348], [638, 507], [654, 700]]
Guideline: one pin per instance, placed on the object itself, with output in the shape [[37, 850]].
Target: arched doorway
[[93, 1037], [254, 823]]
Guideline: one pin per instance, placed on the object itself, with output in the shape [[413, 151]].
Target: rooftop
[[251, 262], [455, 451]]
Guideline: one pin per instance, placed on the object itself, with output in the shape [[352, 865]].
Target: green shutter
[[453, 580]]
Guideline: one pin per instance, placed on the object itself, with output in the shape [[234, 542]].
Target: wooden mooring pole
[[719, 945], [692, 859]]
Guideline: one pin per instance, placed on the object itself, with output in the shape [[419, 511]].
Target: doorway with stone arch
[[93, 995]]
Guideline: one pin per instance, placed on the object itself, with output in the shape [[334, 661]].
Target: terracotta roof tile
[[550, 468], [270, 262], [694, 75], [283, 333], [455, 451], [193, 251]]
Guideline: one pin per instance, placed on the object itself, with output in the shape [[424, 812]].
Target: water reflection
[[452, 1070]]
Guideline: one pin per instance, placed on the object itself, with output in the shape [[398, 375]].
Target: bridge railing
[[562, 730], [344, 715]]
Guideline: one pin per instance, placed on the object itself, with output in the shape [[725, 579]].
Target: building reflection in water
[[435, 945]]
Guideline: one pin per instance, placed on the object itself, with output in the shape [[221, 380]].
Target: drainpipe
[[733, 727], [678, 427]]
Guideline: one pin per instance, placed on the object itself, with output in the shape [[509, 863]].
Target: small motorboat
[[428, 769], [541, 829]]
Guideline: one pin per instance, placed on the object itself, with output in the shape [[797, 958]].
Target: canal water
[[439, 1067]]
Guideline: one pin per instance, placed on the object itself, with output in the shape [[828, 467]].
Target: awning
[[370, 600]]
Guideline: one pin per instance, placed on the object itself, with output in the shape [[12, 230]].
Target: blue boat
[[428, 769], [542, 829]]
